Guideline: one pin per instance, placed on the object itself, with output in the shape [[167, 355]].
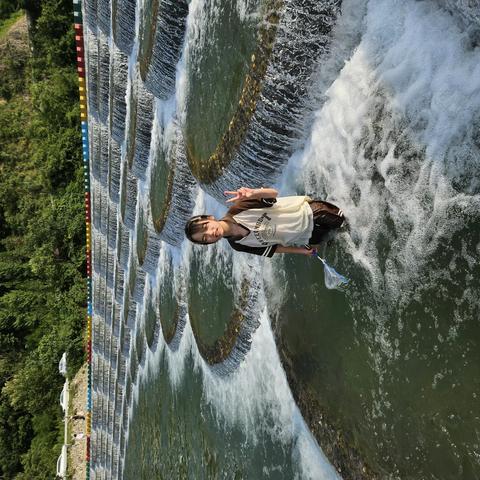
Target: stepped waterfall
[[209, 363]]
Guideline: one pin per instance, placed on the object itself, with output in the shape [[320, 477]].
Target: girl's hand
[[241, 194], [296, 250], [256, 193]]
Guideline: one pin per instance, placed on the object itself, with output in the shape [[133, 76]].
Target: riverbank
[[14, 27], [77, 450]]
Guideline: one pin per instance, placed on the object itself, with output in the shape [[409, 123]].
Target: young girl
[[262, 223]]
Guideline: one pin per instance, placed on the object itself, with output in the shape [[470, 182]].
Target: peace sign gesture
[[240, 194], [253, 193]]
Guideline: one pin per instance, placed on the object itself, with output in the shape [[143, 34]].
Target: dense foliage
[[7, 7], [42, 240]]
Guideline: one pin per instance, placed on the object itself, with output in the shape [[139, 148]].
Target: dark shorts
[[326, 217]]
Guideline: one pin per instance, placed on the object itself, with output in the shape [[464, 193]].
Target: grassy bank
[[76, 463], [8, 23]]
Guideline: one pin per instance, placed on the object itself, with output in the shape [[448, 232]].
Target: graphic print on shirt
[[264, 229]]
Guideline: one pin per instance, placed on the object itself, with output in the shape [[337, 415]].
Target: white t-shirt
[[286, 221]]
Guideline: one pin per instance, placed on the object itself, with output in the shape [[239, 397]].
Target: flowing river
[[214, 364]]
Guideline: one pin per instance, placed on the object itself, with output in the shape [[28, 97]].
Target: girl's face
[[211, 231]]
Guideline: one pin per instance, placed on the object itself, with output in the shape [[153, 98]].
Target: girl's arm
[[252, 193], [297, 250]]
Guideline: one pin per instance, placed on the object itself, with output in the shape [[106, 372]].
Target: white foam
[[413, 59], [434, 74]]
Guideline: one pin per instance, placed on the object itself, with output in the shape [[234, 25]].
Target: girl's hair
[[194, 226]]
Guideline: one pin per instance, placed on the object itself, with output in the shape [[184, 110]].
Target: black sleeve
[[268, 202], [262, 251]]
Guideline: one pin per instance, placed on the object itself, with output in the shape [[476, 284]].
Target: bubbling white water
[[413, 76]]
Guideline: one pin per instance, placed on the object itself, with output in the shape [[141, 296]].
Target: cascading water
[[103, 16], [213, 364], [123, 24], [161, 37], [103, 78], [118, 82]]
